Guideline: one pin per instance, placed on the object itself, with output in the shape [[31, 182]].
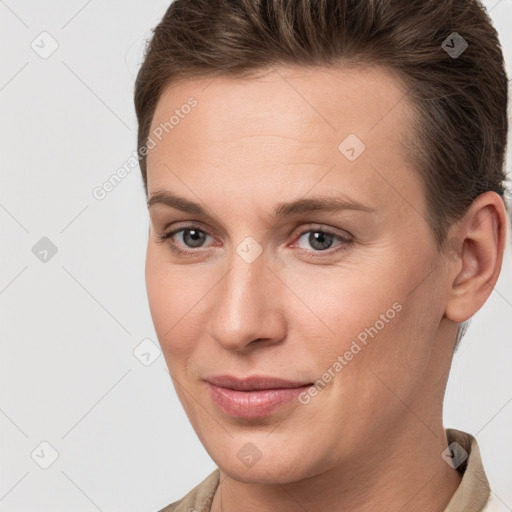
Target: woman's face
[[266, 277]]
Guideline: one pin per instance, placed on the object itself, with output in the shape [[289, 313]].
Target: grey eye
[[318, 240], [192, 237]]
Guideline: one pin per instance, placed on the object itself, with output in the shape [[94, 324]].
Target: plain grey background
[[80, 394]]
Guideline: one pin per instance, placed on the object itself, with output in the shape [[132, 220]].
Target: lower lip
[[252, 404]]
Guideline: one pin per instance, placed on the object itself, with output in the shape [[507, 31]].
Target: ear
[[476, 253]]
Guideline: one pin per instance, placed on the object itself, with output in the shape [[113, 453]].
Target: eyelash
[[166, 238]]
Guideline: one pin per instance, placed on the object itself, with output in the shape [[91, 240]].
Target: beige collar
[[473, 491]]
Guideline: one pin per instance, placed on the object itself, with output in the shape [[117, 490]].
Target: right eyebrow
[[167, 198]]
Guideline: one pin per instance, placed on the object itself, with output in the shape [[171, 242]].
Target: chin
[[265, 460], [265, 472]]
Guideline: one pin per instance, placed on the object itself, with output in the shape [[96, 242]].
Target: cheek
[[168, 296], [177, 298], [340, 304], [369, 318], [370, 353]]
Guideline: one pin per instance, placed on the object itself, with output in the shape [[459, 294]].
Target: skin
[[372, 438]]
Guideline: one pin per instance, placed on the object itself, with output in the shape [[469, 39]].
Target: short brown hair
[[460, 101]]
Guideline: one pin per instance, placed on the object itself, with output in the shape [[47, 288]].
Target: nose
[[247, 306]]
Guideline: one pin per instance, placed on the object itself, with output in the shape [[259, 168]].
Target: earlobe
[[477, 256]]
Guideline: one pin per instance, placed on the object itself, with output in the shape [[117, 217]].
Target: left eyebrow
[[282, 210], [315, 204]]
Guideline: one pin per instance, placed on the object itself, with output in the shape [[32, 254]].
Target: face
[[288, 241]]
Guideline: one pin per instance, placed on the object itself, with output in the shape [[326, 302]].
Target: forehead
[[289, 129]]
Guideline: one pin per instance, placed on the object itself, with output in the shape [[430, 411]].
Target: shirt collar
[[473, 491]]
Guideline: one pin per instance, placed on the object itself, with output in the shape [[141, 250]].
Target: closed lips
[[254, 383]]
